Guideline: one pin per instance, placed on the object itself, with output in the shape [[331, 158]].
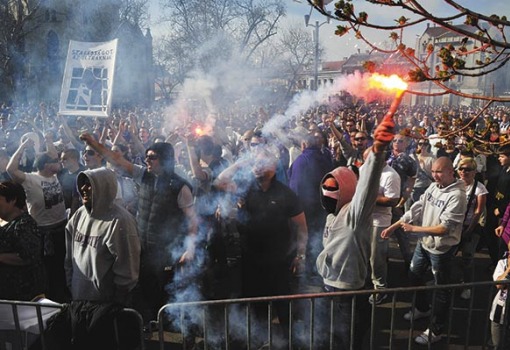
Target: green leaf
[[341, 30], [363, 16]]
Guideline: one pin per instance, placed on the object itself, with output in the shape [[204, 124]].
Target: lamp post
[[316, 27]]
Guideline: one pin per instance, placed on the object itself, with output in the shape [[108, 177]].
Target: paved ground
[[467, 327]]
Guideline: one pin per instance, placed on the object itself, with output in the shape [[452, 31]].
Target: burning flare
[[199, 131], [391, 83]]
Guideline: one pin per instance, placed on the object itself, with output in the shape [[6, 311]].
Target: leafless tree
[[209, 30], [136, 12], [18, 19], [297, 50]]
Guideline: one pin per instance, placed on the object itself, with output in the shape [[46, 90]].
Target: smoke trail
[[356, 84]]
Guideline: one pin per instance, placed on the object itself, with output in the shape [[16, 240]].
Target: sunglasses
[[398, 141], [152, 156], [466, 169], [90, 152], [255, 144], [423, 143], [442, 128], [360, 138]]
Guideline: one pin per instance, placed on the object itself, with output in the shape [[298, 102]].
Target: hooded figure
[[343, 262], [103, 248]]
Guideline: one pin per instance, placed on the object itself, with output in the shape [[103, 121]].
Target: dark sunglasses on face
[[423, 143], [152, 156], [360, 138], [442, 128], [255, 144], [90, 152], [466, 169], [398, 141]]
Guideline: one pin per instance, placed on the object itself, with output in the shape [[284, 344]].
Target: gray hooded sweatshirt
[[103, 248], [440, 206], [343, 263]]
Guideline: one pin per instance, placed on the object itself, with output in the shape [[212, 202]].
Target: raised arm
[[224, 180], [115, 158], [133, 133], [69, 133], [196, 170], [17, 175], [50, 147], [119, 137]]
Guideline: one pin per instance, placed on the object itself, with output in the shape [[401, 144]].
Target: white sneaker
[[466, 294], [417, 314], [427, 337]]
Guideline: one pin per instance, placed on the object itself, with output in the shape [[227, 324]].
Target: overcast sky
[[339, 47]]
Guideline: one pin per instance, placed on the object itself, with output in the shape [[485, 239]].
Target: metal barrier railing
[[215, 322], [21, 323], [312, 320]]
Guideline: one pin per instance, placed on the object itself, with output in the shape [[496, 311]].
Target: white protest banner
[[88, 79]]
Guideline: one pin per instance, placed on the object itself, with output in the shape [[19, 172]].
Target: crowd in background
[[209, 154]]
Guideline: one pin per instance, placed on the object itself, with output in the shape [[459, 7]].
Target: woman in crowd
[[476, 199], [21, 267]]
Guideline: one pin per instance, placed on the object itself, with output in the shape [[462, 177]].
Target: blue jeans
[[440, 264]]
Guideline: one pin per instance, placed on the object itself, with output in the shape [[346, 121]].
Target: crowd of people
[[136, 208]]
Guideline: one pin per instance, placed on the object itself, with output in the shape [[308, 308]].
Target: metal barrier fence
[[312, 321], [229, 324], [23, 323]]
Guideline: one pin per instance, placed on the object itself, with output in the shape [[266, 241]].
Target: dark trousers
[[54, 256], [440, 264], [260, 280], [344, 318], [494, 244]]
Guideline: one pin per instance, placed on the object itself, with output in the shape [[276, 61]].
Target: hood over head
[[347, 182], [104, 189]]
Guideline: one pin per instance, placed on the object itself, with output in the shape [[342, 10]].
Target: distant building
[[327, 73], [495, 83], [59, 21]]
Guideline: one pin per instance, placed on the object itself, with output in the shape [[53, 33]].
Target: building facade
[[55, 22]]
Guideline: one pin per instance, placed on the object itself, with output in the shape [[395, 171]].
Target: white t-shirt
[[45, 199], [479, 191], [389, 186]]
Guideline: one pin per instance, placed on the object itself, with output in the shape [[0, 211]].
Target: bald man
[[440, 213]]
